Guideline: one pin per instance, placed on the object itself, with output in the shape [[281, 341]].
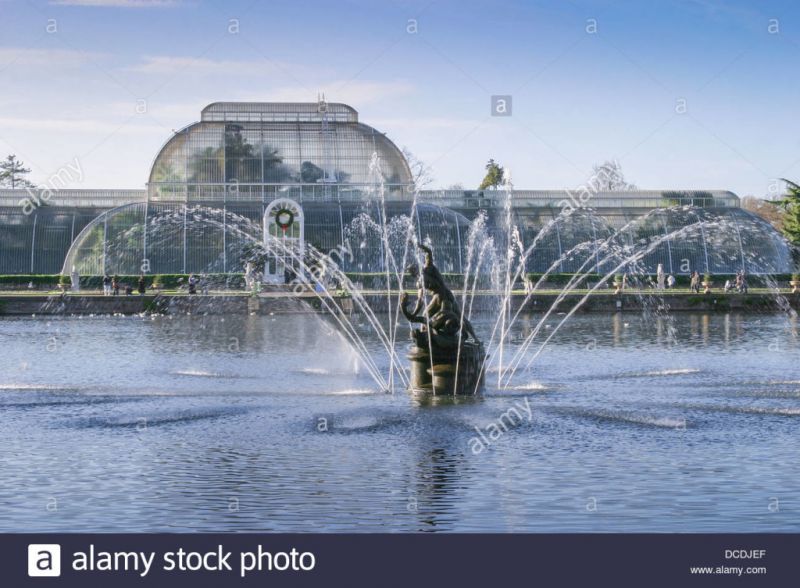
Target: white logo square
[[44, 560]]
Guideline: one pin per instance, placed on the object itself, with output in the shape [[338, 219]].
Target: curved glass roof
[[172, 237], [714, 241], [176, 238], [211, 182], [278, 111], [238, 151], [36, 243]]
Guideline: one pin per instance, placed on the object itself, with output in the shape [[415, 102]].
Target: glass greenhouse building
[[314, 174]]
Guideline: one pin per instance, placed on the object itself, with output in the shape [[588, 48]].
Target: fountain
[[356, 277], [447, 357]]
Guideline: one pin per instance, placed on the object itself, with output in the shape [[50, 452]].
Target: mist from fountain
[[487, 274], [399, 238]]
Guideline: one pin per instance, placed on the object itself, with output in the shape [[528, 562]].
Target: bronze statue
[[441, 320], [448, 357]]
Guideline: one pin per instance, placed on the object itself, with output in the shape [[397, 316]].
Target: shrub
[[25, 279]]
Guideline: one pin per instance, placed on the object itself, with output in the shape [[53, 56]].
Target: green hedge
[[377, 280], [681, 281], [24, 280], [370, 280], [168, 281], [564, 279]]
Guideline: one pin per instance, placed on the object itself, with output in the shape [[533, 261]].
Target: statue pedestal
[[446, 372]]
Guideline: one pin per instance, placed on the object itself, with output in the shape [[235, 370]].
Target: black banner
[[398, 560]]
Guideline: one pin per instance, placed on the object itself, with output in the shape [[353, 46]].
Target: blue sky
[[579, 97]]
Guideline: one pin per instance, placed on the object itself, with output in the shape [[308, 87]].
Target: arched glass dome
[[35, 243], [181, 238], [551, 241], [175, 238], [708, 240], [441, 228], [249, 151], [682, 239], [566, 243]]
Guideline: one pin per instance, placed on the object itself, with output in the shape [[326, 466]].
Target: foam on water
[[633, 418], [775, 411], [198, 374], [140, 422], [353, 392], [532, 386], [660, 373], [749, 410], [29, 387], [314, 371], [673, 372]]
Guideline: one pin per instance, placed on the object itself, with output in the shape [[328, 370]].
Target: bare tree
[[608, 177], [421, 173], [768, 210]]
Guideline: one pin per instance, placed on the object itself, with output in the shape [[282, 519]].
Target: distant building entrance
[[284, 240]]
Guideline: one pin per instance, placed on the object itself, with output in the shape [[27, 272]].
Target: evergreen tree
[[791, 218], [311, 173], [494, 176], [13, 172]]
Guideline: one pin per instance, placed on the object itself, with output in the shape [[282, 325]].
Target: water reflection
[[231, 442], [436, 477]]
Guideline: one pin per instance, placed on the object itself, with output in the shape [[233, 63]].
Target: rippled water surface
[[267, 424]]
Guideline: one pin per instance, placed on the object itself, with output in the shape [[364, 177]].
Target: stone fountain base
[[446, 372]]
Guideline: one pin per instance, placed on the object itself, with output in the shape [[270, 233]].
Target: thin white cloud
[[354, 92], [424, 123], [79, 127], [173, 113], [309, 79], [118, 3], [45, 57], [172, 65]]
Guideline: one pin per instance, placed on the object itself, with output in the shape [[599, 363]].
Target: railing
[[71, 198], [560, 198], [460, 199]]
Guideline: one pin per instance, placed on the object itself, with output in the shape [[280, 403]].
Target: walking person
[[115, 285], [661, 278], [695, 283], [192, 284], [670, 282], [106, 285], [141, 284], [527, 284]]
